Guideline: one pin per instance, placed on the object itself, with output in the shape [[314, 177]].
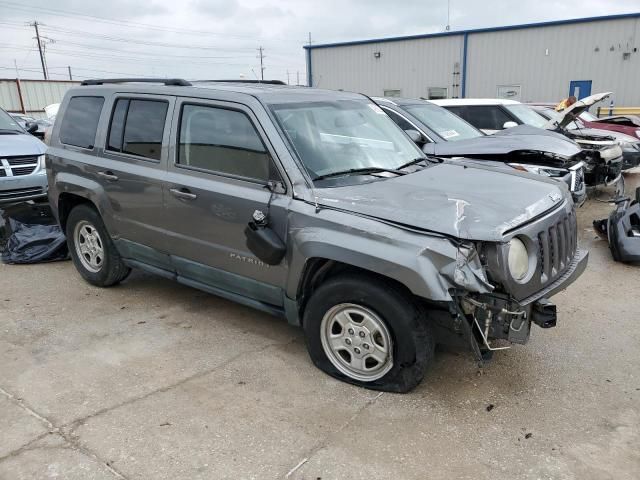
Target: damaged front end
[[494, 303], [603, 160]]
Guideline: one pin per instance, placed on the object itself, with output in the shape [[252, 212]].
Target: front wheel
[[369, 332]]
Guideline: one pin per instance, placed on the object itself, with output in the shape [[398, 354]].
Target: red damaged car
[[627, 124]]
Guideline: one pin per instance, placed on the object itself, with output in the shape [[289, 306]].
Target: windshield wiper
[[418, 160], [355, 171], [5, 131]]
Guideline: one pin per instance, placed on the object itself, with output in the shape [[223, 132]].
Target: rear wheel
[[93, 253], [368, 332]]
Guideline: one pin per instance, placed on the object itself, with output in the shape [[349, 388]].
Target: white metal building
[[542, 62], [31, 96]]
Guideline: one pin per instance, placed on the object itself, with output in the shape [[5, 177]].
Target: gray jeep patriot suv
[[315, 206]]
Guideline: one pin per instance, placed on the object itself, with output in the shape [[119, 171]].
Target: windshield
[[526, 115], [589, 117], [7, 122], [446, 124], [335, 136]]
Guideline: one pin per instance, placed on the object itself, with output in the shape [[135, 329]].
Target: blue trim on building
[[309, 72], [463, 88], [477, 30]]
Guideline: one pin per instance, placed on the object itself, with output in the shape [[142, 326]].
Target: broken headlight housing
[[518, 259], [539, 170]]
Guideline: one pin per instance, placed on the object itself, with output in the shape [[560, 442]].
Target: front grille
[[17, 161], [21, 192], [17, 166], [557, 247], [17, 172]]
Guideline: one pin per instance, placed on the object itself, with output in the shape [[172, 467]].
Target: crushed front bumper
[[494, 321]]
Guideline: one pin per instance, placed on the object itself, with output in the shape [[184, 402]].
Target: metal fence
[[31, 96]]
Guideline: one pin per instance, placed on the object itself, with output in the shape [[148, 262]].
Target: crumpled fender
[[429, 265]]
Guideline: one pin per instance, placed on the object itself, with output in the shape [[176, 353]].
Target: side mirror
[[416, 136], [509, 124], [31, 127]]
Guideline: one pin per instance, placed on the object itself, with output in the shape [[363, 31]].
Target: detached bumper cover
[[624, 234]]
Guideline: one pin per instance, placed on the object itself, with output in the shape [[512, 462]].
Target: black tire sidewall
[[105, 276], [413, 343]]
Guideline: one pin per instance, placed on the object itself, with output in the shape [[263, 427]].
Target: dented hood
[[456, 199], [523, 138]]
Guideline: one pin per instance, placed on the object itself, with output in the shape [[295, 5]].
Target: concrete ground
[[153, 380]]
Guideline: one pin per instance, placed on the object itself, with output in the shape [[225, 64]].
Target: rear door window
[[137, 127], [80, 121], [486, 117]]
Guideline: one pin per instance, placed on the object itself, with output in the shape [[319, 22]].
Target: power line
[[112, 38], [123, 23]]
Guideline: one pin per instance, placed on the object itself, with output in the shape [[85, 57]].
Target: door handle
[[183, 193], [109, 176]]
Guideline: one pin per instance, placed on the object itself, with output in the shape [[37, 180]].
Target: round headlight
[[518, 259]]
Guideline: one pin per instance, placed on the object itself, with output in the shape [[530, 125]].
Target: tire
[[100, 264], [378, 313]]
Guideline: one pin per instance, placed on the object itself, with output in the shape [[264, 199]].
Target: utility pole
[[298, 77], [448, 27], [22, 109], [262, 67], [44, 69], [69, 68], [288, 78]]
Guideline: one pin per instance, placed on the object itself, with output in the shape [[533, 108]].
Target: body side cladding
[[83, 187]]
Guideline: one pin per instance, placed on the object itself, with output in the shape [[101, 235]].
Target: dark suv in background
[[315, 206]]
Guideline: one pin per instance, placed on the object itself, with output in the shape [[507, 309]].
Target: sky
[[219, 39]]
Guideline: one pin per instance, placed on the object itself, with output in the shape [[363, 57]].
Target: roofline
[[476, 30]]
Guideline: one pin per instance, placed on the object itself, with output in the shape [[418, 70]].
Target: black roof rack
[[266, 82], [166, 81]]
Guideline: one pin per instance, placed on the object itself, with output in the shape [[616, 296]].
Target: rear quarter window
[[80, 122]]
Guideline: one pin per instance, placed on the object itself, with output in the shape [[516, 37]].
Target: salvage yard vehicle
[[315, 206], [627, 124], [603, 155], [443, 134], [22, 173], [630, 145]]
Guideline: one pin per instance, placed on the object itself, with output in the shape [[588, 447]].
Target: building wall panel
[[544, 60], [411, 66], [540, 59]]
